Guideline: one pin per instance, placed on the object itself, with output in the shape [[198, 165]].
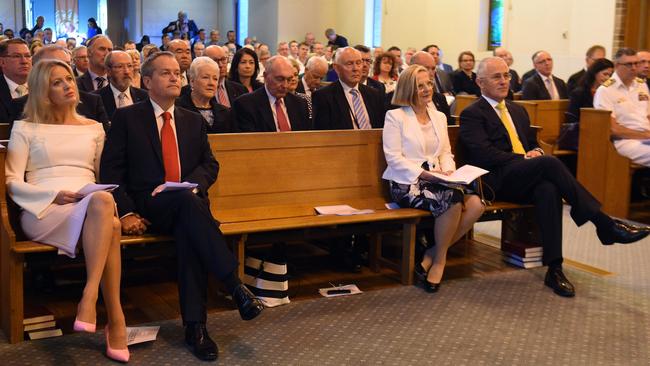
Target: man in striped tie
[[347, 104], [228, 90]]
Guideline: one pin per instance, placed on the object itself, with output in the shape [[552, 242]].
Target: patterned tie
[[183, 79], [121, 100], [359, 111], [223, 97], [283, 124], [100, 82], [551, 90], [21, 90], [169, 150], [517, 147]]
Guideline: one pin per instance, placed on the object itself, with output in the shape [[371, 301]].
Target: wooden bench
[[601, 169], [267, 189], [549, 115]]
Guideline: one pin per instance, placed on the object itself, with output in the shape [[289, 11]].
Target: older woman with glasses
[[416, 144]]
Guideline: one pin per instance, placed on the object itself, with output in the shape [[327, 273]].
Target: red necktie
[[169, 150], [283, 124], [223, 98]]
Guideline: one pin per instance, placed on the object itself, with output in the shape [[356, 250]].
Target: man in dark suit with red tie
[[497, 136], [152, 142], [346, 103], [272, 108]]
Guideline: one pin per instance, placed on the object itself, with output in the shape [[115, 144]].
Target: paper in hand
[[465, 175], [92, 187], [174, 186]]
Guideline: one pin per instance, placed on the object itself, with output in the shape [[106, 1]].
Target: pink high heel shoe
[[120, 355], [80, 326]]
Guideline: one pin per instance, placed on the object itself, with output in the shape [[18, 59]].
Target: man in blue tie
[[347, 104]]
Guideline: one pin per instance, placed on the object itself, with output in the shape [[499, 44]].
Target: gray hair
[[77, 49], [625, 51], [200, 62], [316, 61], [48, 50], [481, 70], [339, 52], [270, 63], [147, 68]]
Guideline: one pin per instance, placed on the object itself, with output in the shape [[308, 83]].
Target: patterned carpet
[[501, 319]]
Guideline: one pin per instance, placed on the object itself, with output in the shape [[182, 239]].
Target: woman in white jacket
[[415, 144]]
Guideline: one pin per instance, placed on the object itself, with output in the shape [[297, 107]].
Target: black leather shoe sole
[[560, 291]]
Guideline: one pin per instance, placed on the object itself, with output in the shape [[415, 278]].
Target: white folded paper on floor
[[341, 210], [92, 187], [353, 290], [135, 335]]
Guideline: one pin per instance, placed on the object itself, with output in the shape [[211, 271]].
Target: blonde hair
[[38, 106], [406, 91]]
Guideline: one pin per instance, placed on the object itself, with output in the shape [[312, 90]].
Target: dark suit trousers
[[200, 246], [544, 181]]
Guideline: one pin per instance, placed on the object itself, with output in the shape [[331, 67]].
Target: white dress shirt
[[550, 78], [348, 96], [127, 96]]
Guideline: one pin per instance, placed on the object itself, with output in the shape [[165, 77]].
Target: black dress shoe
[[621, 233], [556, 280], [249, 306], [198, 340], [430, 287], [420, 272], [632, 226]]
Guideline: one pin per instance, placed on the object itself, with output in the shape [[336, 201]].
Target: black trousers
[[200, 246], [544, 181]]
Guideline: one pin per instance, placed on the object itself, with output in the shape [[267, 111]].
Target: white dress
[[43, 159]]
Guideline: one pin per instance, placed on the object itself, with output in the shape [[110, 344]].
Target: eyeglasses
[[629, 65], [221, 60], [17, 56], [122, 66], [366, 61]]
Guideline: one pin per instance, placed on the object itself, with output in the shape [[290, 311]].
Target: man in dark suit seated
[[119, 93], [96, 76], [79, 60], [272, 108], [497, 136], [346, 104], [593, 53], [543, 85], [441, 78], [228, 90], [315, 71], [15, 65], [425, 59], [150, 143], [90, 105], [365, 71]]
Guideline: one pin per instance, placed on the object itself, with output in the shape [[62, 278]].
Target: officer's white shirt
[[629, 105]]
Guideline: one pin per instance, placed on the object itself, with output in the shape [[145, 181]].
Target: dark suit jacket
[[465, 84], [252, 112], [132, 154], [486, 141], [90, 106], [174, 25], [332, 110], [222, 118], [137, 94], [85, 83], [528, 74], [5, 101], [534, 89], [339, 41], [446, 68], [574, 79], [579, 98], [301, 88], [376, 84], [443, 82]]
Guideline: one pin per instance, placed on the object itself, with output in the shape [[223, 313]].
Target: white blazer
[[404, 145]]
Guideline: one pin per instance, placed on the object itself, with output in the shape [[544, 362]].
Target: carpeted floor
[[501, 319]]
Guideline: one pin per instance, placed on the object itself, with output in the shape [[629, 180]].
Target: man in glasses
[[627, 96], [228, 90], [15, 63], [543, 85], [119, 93], [496, 135]]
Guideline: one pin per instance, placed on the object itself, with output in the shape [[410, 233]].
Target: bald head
[[426, 60], [218, 55], [53, 51], [278, 73]]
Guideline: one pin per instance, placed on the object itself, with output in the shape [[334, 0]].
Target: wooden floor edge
[[587, 268]]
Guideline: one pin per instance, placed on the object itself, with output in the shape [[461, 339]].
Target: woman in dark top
[[583, 95], [464, 78], [204, 79], [244, 69]]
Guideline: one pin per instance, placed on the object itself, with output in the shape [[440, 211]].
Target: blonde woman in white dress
[[415, 145], [52, 154]]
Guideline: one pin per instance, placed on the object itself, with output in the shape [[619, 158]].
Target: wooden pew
[[601, 169], [549, 115], [267, 189], [462, 102]]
